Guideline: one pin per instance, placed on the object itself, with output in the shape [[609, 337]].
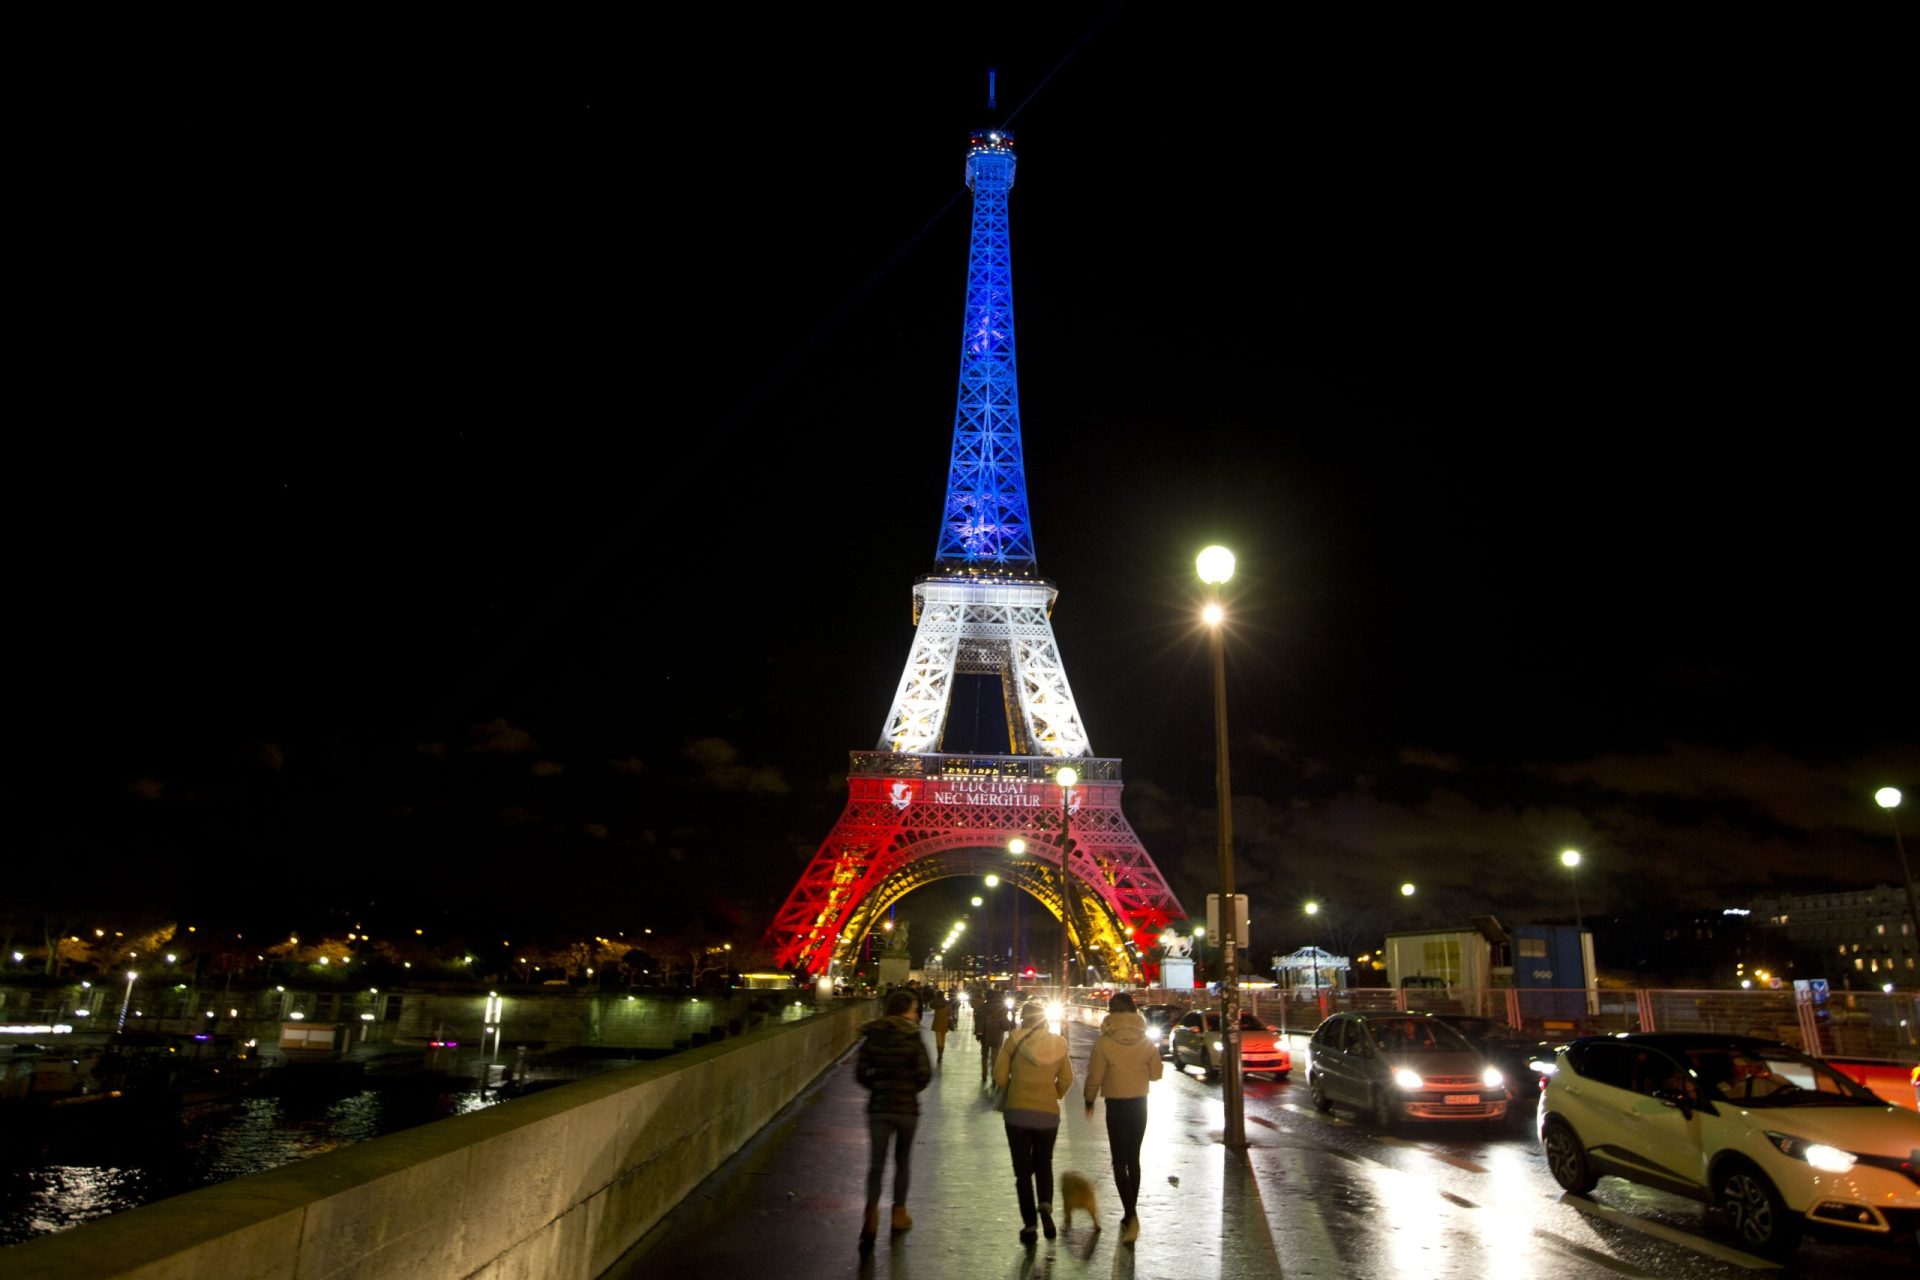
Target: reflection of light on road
[[1408, 1222]]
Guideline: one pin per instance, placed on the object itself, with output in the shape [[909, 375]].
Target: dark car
[[1402, 1066], [1160, 1019], [1513, 1053]]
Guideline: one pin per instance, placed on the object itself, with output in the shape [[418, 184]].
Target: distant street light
[[1571, 859], [1406, 890], [1066, 776], [1888, 798], [1313, 942], [1215, 566]]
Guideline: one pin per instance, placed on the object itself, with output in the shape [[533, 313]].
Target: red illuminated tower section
[[916, 813]]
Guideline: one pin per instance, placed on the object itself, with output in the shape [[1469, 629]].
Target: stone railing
[[560, 1183]]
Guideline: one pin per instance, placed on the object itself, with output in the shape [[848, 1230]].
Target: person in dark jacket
[[992, 1019], [894, 1067]]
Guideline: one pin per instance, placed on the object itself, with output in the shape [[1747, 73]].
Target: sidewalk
[[789, 1205]]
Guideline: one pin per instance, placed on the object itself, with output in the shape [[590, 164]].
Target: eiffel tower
[[915, 813]]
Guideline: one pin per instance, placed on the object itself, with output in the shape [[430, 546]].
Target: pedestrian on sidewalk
[[991, 1022], [1032, 1067], [942, 1023], [893, 1066], [1123, 1063]]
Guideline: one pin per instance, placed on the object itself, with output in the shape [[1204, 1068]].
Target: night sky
[[494, 489]]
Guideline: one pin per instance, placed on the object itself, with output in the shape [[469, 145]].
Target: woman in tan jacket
[[1032, 1067], [1123, 1063]]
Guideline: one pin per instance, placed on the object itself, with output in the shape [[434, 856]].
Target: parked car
[[1783, 1144], [1402, 1066], [1160, 1019], [1196, 1041], [1524, 1062]]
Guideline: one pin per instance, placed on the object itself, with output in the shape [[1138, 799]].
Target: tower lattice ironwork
[[916, 814]]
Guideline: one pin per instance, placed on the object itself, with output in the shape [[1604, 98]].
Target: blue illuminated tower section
[[986, 527]]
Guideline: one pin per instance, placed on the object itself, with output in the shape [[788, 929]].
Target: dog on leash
[[1076, 1192]]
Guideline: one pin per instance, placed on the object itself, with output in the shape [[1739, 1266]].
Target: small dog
[[1076, 1192]]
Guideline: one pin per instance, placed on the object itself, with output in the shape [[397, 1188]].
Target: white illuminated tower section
[[916, 813]]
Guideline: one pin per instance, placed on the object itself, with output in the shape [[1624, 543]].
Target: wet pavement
[[1313, 1196]]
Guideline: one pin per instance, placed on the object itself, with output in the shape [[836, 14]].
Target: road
[[1315, 1196], [1459, 1199]]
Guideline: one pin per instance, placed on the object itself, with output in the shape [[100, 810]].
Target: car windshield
[[1247, 1023], [1481, 1027], [1774, 1076], [1416, 1035]]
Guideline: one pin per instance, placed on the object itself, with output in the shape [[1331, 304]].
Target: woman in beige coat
[[1123, 1063], [1032, 1067]]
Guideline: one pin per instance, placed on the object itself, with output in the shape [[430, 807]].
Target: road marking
[[1462, 1201], [1590, 1255], [1673, 1235], [1263, 1120]]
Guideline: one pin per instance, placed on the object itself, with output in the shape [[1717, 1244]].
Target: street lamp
[[1888, 798], [1018, 848], [1570, 858], [1313, 941], [1215, 566], [1066, 777]]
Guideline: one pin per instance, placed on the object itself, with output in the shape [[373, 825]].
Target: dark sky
[[498, 484]]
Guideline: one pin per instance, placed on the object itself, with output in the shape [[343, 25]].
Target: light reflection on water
[[209, 1144]]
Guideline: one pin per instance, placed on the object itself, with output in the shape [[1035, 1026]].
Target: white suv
[[1780, 1142]]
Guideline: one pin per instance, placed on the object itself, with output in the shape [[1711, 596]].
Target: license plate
[[1463, 1099]]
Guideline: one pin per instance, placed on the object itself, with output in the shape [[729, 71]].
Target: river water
[[89, 1174]]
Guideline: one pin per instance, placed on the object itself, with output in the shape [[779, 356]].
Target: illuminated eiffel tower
[[916, 814]]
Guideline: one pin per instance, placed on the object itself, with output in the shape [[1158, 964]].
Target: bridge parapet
[[560, 1183]]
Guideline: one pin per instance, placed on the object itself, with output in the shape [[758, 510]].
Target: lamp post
[[1066, 777], [1570, 858], [1215, 566], [1888, 798], [1018, 848], [1313, 942]]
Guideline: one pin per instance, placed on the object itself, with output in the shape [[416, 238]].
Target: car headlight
[[1153, 1033], [1408, 1079], [1055, 1010], [1818, 1154], [1219, 1046], [1492, 1078]]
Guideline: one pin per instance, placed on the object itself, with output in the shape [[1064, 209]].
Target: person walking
[[991, 1023], [943, 1009], [1123, 1063], [1032, 1067], [893, 1067]]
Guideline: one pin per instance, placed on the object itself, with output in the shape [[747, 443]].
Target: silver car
[[1402, 1066]]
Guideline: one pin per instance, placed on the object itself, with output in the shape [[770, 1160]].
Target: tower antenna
[[991, 73]]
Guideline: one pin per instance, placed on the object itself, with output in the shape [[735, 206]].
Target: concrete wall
[[558, 1184]]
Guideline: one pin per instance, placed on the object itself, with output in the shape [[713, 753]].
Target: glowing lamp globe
[[1406, 890], [1887, 797], [1067, 776], [1571, 857], [1215, 565]]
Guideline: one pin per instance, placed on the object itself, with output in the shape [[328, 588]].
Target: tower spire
[[985, 526]]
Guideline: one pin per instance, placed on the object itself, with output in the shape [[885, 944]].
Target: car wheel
[[1319, 1091], [1385, 1114], [1179, 1063], [1206, 1061], [1755, 1210], [1567, 1159]]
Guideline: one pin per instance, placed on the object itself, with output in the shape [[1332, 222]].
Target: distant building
[[1857, 939], [1708, 947]]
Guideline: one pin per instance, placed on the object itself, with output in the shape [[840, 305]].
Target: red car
[[1197, 1042]]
